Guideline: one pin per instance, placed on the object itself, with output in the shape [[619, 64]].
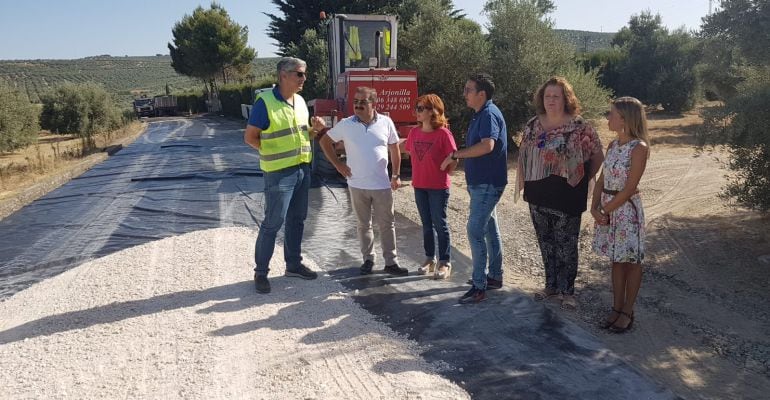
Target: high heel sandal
[[617, 329], [443, 275], [607, 324], [427, 267]]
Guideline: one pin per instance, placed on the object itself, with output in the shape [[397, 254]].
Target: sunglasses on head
[[300, 74], [421, 108]]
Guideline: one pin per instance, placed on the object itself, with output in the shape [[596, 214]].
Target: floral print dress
[[623, 239]]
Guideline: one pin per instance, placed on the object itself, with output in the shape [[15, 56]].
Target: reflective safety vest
[[387, 42], [354, 47], [286, 142]]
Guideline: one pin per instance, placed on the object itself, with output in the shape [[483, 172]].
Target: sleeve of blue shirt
[[489, 127], [258, 116]]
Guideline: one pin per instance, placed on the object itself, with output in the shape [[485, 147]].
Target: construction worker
[[278, 130]]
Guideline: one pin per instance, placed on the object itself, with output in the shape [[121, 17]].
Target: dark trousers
[[557, 234]]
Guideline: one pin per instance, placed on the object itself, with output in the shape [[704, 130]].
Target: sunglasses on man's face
[[299, 74], [361, 102], [422, 108]]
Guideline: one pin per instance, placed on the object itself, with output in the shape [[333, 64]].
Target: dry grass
[[50, 154]]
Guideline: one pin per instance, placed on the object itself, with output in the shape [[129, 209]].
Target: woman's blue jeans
[[484, 234], [286, 199], [432, 204]]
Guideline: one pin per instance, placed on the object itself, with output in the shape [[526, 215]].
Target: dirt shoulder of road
[[30, 173], [702, 316]]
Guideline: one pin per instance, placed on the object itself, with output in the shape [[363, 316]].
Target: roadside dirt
[[29, 173], [702, 318]]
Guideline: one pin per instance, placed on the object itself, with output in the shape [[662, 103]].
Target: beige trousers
[[378, 204]]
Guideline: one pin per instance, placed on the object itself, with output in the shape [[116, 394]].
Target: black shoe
[[491, 283], [301, 272], [262, 284], [366, 267], [396, 270], [494, 283], [473, 296]]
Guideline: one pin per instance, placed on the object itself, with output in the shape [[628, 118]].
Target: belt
[[615, 192]]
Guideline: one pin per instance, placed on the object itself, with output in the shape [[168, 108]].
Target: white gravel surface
[[179, 318]]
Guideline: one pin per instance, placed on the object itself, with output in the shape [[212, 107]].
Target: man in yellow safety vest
[[278, 130]]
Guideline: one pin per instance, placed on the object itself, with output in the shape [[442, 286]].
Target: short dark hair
[[370, 93], [484, 82]]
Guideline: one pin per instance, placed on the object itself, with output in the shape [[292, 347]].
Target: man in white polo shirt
[[368, 137]]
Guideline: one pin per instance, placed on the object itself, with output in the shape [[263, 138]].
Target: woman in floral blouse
[[617, 208], [559, 154]]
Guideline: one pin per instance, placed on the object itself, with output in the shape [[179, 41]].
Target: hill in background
[[125, 77], [585, 41], [121, 76]]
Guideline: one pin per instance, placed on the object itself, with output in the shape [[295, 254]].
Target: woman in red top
[[428, 145]]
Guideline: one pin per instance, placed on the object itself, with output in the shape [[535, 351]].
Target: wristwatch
[[602, 211], [454, 157], [395, 176]]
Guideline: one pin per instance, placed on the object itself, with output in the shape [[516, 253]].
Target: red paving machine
[[363, 52]]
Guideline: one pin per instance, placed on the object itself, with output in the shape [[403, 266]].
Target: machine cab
[[362, 43]]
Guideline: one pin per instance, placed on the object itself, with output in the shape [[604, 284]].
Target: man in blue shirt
[[486, 175], [279, 117]]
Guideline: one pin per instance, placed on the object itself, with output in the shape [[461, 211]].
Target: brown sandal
[[607, 323], [617, 329], [545, 294], [568, 302]]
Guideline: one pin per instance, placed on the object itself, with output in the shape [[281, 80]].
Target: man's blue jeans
[[432, 204], [484, 234], [286, 199]]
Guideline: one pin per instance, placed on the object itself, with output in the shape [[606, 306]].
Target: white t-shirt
[[366, 147]]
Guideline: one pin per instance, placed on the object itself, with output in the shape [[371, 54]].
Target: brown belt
[[615, 192]]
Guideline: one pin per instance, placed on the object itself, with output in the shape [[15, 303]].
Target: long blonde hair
[[634, 117]]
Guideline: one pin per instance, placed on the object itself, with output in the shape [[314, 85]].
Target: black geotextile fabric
[[180, 176], [185, 175]]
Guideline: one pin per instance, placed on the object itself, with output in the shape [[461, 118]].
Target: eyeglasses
[[469, 90], [422, 108], [300, 74], [361, 102]]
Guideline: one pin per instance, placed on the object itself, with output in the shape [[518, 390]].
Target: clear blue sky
[[61, 29]]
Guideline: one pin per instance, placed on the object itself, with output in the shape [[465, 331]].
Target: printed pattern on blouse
[[561, 151]]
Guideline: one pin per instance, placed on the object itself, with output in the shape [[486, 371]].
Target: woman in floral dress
[[617, 208]]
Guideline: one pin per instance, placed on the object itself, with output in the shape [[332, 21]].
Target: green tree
[[745, 24], [656, 66], [738, 37], [18, 120], [444, 50], [525, 53], [209, 45], [297, 16], [82, 109], [313, 49]]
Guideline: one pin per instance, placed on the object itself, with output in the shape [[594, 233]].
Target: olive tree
[[18, 120]]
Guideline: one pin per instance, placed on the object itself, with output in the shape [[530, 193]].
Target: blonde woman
[[617, 208]]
